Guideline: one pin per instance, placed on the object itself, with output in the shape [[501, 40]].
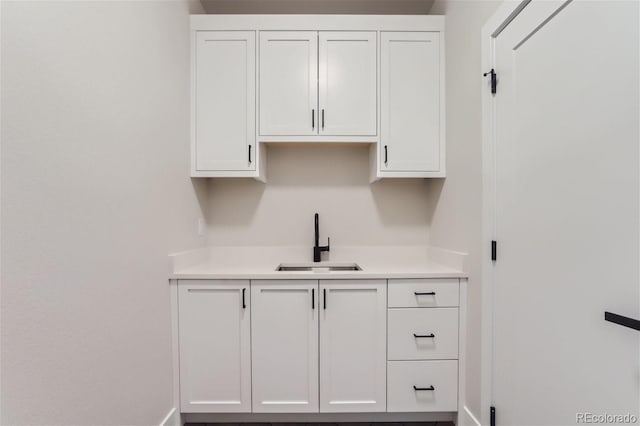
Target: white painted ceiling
[[376, 7]]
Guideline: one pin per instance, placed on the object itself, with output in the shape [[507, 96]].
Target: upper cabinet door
[[347, 83], [288, 83], [411, 134], [353, 346], [225, 101], [215, 346]]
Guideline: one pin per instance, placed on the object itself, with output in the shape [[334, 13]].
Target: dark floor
[[325, 424]]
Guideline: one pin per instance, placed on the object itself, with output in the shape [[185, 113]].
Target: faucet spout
[[317, 248]]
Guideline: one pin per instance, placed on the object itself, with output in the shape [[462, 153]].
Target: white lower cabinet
[[423, 386], [431, 293], [353, 346], [284, 343], [422, 371], [318, 346], [351, 353], [416, 334], [214, 342]]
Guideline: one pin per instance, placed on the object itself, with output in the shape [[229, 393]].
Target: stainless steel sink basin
[[318, 267]]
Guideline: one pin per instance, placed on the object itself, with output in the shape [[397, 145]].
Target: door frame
[[503, 15]]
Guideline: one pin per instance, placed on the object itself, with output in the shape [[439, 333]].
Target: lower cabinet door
[[422, 386], [353, 345], [214, 338], [285, 346]]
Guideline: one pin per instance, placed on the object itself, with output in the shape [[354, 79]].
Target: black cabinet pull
[[249, 153], [386, 156], [424, 336], [324, 295], [313, 298], [323, 119], [430, 388], [622, 320], [244, 304], [429, 293], [313, 119]]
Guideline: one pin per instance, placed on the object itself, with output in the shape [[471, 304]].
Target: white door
[[285, 346], [410, 83], [288, 83], [566, 213], [215, 356], [225, 100], [353, 344], [347, 83]]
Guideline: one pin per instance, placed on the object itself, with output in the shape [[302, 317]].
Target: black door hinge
[[492, 418], [494, 250], [494, 80]]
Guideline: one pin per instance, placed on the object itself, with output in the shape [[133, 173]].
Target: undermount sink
[[318, 267]]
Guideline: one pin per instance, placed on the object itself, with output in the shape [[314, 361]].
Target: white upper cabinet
[[347, 83], [285, 346], [223, 115], [288, 83], [412, 105], [215, 351], [318, 83], [370, 79], [353, 346]]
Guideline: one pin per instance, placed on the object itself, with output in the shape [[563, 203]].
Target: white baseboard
[[171, 419], [317, 417], [466, 418]]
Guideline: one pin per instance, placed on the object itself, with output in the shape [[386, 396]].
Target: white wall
[[95, 193], [332, 180], [457, 211]]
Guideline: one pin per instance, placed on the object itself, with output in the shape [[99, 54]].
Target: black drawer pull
[[429, 293], [622, 320], [425, 336], [324, 295], [244, 305], [313, 298], [430, 388]]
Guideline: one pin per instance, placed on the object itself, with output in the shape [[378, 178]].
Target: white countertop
[[261, 263]]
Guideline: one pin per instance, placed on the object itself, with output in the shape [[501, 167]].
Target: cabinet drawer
[[423, 334], [423, 293], [442, 376]]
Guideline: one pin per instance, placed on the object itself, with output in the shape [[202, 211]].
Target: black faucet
[[317, 249]]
